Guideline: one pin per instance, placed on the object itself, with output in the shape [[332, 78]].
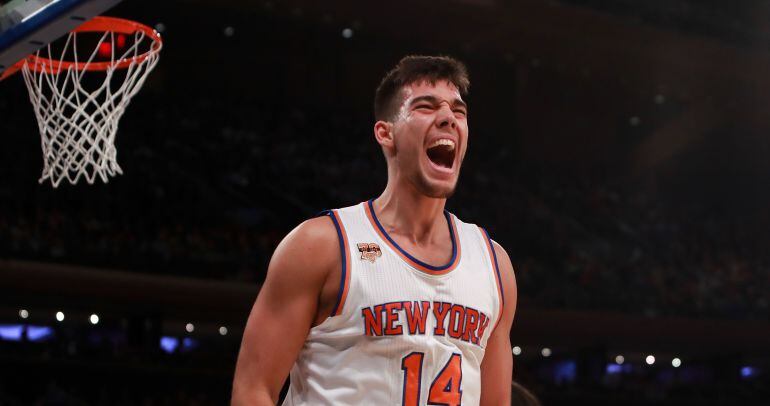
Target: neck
[[401, 209]]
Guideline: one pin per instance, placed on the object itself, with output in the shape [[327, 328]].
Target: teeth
[[443, 141]]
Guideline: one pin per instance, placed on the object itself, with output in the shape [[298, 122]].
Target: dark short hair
[[415, 68]]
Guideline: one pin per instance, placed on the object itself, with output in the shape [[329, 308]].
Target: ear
[[383, 133]]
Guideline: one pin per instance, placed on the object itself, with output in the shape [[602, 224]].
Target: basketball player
[[393, 301]]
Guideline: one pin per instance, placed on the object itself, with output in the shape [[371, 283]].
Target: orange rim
[[99, 24]]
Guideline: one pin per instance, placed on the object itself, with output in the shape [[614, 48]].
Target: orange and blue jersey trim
[[414, 262], [342, 294], [498, 278]]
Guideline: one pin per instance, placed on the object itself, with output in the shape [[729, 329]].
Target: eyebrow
[[434, 100]]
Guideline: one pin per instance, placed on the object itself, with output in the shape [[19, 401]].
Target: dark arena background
[[618, 151]]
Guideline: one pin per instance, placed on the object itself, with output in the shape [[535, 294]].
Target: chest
[[435, 253]]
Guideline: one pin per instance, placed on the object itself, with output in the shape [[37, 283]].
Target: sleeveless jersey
[[402, 332]]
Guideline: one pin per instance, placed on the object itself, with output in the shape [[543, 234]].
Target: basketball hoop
[[78, 110]]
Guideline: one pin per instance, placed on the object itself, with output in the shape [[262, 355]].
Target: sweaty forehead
[[442, 89]]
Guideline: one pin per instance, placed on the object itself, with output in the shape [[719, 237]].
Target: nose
[[446, 117]]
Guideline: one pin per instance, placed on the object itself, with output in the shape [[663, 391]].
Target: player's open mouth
[[442, 153]]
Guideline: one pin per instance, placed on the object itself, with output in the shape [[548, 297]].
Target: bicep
[[497, 366], [282, 315]]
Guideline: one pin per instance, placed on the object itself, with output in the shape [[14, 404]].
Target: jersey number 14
[[446, 387]]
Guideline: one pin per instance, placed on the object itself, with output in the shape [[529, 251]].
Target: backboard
[[28, 25]]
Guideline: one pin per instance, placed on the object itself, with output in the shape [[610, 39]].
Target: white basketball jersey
[[403, 332]]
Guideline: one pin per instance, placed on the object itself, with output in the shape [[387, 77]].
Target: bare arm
[[294, 296], [497, 367]]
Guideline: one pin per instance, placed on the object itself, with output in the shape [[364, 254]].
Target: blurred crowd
[[114, 364], [210, 189]]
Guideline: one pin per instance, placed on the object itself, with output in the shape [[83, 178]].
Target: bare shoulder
[[503, 260], [506, 267], [315, 231], [508, 279], [311, 247], [308, 263], [304, 258]]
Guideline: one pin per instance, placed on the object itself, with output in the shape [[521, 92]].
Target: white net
[[78, 105]]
